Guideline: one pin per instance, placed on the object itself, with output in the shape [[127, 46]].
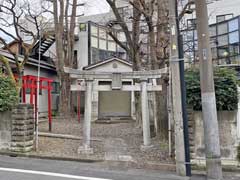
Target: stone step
[[22, 144], [23, 122], [113, 120], [22, 127], [22, 117], [22, 149], [23, 133], [22, 138]]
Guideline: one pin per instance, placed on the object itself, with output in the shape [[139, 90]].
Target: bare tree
[[132, 35], [12, 14], [64, 15], [155, 13]]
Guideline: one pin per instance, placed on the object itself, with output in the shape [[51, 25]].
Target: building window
[[102, 33], [233, 25], [112, 46], [221, 18], [222, 28], [75, 59], [55, 87], [102, 44], [213, 42], [125, 12], [223, 52], [121, 37], [94, 42], [234, 37], [94, 30], [214, 53], [82, 27], [212, 31], [222, 40], [234, 50], [95, 55]]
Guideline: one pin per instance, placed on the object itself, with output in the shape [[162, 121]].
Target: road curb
[[35, 156], [111, 164], [115, 164]]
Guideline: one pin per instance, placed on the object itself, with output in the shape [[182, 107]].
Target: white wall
[[82, 48]]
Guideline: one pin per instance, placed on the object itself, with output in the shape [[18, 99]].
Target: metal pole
[[49, 107], [38, 83], [169, 102], [184, 108], [210, 122]]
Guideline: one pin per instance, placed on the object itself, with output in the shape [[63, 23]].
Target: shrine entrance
[[116, 85], [89, 86]]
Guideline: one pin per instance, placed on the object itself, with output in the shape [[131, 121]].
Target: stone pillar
[[145, 115], [85, 148], [133, 110], [5, 130], [95, 101], [22, 128]]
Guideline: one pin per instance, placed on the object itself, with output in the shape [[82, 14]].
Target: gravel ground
[[126, 132]]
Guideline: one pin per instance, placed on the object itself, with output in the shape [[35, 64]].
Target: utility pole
[[210, 123], [176, 92]]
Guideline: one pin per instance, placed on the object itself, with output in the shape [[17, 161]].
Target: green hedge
[[8, 93], [238, 153], [225, 88]]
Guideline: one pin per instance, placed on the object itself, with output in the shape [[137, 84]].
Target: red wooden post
[[35, 103], [79, 105], [49, 106], [24, 90], [31, 93]]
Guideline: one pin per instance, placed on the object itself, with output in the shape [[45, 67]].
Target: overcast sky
[[216, 8], [96, 7]]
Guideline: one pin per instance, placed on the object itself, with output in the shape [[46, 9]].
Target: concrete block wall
[[22, 128], [228, 134]]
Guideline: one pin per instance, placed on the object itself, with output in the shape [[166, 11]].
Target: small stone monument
[[22, 128]]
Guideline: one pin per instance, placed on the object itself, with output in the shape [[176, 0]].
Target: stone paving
[[116, 141]]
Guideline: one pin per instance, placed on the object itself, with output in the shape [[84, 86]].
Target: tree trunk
[[162, 111], [65, 96]]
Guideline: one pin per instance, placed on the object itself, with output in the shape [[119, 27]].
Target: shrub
[[225, 88], [238, 153], [8, 93]]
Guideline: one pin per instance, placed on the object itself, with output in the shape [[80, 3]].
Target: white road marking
[[50, 174]]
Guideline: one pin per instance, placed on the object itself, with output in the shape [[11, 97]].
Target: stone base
[[85, 150], [146, 148], [22, 149], [117, 157]]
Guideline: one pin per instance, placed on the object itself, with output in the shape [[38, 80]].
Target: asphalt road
[[12, 168]]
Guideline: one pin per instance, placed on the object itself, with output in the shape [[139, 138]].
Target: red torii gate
[[30, 82]]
